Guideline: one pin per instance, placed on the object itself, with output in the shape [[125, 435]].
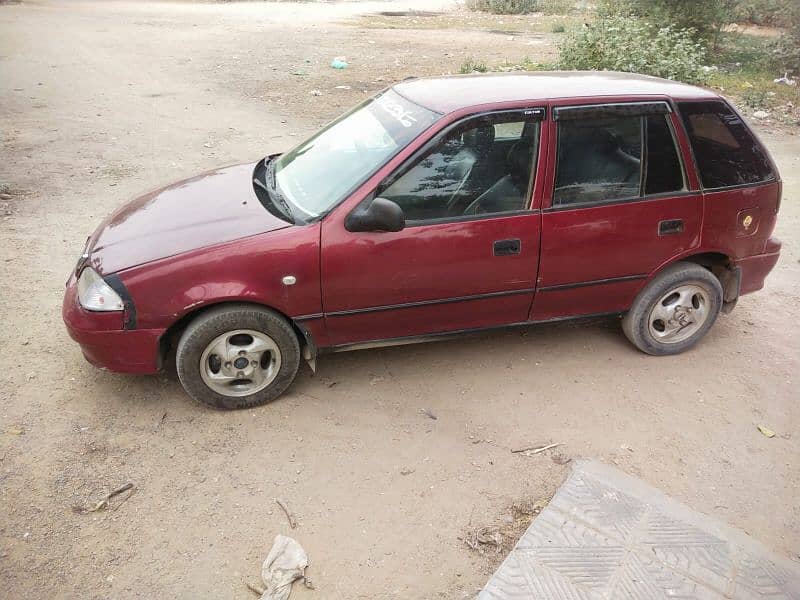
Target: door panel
[[583, 247], [469, 254], [596, 299], [428, 278]]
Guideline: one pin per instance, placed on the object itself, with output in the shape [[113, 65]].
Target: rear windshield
[[726, 152]]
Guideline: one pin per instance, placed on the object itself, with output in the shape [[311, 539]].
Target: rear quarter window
[[727, 154]]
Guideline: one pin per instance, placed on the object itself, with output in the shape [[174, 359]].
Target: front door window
[[481, 167]]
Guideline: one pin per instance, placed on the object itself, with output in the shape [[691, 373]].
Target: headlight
[[96, 294]]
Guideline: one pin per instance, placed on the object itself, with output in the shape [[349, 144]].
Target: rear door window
[[664, 167], [598, 159], [727, 154], [612, 158]]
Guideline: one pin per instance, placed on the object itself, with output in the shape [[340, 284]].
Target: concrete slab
[[608, 535]]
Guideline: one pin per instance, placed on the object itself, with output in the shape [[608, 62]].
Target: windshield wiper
[[270, 173], [268, 185]]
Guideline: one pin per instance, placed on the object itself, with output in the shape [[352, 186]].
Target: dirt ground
[[102, 101]]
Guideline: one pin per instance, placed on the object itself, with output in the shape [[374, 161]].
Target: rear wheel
[[237, 356], [675, 310]]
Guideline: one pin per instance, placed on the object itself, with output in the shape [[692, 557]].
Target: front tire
[[675, 310], [237, 356]]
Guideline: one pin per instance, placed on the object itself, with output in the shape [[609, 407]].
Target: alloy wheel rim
[[679, 314], [240, 362]]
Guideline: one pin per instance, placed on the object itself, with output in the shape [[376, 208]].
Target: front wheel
[[675, 310], [237, 356]]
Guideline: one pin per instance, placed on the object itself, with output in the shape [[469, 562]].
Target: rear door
[[620, 206]]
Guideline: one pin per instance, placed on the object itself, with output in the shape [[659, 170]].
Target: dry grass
[[497, 539], [470, 21]]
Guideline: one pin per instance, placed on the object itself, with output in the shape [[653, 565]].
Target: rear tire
[[675, 310], [237, 356]]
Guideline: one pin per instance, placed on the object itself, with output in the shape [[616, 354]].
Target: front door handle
[[670, 227], [507, 247]]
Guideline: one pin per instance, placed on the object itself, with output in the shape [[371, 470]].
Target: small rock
[[315, 93], [560, 459], [766, 431], [406, 471], [761, 114]]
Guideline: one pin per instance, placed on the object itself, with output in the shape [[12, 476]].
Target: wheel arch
[[169, 339], [720, 264], [709, 260]]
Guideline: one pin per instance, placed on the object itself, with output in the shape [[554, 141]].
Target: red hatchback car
[[439, 206]]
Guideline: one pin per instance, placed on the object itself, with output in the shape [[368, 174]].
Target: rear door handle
[[507, 247], [670, 227]]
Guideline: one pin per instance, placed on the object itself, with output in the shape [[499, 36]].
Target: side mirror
[[379, 215]]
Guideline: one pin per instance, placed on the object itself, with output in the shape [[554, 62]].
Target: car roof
[[455, 92]]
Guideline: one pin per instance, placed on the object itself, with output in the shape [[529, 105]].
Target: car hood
[[215, 207]]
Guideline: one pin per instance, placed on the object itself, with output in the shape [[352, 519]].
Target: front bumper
[[754, 269], [103, 340]]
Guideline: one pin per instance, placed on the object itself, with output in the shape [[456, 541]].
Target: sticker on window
[[397, 111]]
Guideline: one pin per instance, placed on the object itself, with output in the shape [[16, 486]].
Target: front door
[[468, 255], [621, 207]]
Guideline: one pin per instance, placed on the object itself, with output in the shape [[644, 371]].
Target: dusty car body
[[440, 206]]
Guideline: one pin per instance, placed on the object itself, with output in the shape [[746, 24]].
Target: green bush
[[755, 97], [633, 45], [705, 17], [521, 7], [775, 13], [470, 65], [786, 51]]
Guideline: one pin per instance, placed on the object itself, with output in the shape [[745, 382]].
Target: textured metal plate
[[606, 535]]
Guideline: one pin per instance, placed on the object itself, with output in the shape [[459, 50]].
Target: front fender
[[246, 270]]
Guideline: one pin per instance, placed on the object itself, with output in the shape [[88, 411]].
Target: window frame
[[536, 113], [640, 109], [775, 173]]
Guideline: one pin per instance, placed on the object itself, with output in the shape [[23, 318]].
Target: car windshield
[[318, 173]]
